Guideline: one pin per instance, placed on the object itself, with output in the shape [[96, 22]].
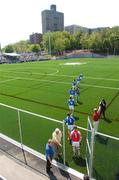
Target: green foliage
[[35, 48], [85, 41], [95, 41], [103, 41], [22, 46], [59, 41], [78, 36], [9, 49]]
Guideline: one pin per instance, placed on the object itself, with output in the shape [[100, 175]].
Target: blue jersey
[[49, 151], [69, 120], [70, 102], [79, 79], [71, 92], [77, 91], [74, 83], [81, 76]]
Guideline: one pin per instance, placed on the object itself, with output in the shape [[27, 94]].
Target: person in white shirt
[[56, 139]]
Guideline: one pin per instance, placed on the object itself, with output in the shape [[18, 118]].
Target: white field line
[[29, 72], [100, 78], [55, 120], [102, 87], [61, 82], [9, 80], [88, 77], [52, 74], [34, 114], [63, 75]]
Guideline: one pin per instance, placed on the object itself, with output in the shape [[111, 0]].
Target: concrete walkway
[[12, 170], [13, 167]]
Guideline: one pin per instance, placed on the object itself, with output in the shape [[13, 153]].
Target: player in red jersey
[[76, 139], [96, 117]]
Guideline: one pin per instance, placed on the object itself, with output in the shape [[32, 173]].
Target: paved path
[[12, 165], [13, 170]]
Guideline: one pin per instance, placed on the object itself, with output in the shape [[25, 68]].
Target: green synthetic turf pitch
[[42, 88]]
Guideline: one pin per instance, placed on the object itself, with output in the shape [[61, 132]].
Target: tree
[[85, 41], [9, 49], [59, 45], [48, 40], [95, 41], [56, 41], [106, 41], [78, 36], [35, 48], [114, 40], [66, 36], [22, 46]]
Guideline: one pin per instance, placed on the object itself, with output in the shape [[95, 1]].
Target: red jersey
[[75, 136], [96, 116]]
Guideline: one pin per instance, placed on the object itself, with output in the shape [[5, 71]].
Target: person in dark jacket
[[102, 108]]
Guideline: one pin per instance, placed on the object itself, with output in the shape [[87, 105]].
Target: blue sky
[[20, 18]]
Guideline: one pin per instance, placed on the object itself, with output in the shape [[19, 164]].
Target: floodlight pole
[[0, 48], [49, 41], [107, 51]]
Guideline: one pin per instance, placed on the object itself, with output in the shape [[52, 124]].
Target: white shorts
[[76, 144], [71, 107], [70, 127], [95, 125], [73, 87]]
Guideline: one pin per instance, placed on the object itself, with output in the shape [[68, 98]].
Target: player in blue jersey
[[78, 80], [77, 92], [71, 92], [80, 77], [70, 122], [74, 84], [71, 105]]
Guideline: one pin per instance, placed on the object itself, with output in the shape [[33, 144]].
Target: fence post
[[92, 151], [21, 138], [63, 142]]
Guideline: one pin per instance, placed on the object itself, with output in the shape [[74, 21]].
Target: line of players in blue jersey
[[74, 91]]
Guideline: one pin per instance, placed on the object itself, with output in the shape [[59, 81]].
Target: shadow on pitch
[[117, 175], [76, 118], [97, 175], [80, 161], [107, 120], [101, 139], [79, 102]]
